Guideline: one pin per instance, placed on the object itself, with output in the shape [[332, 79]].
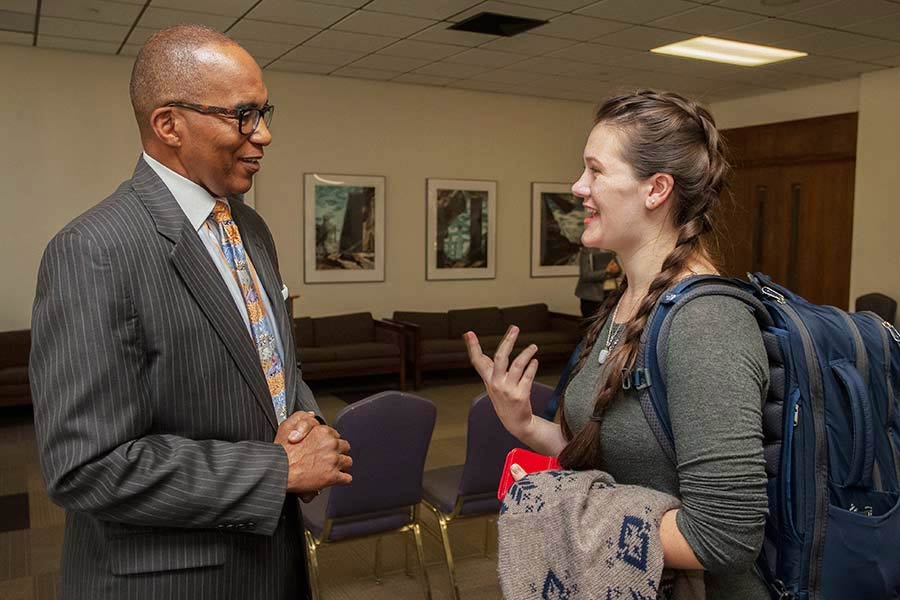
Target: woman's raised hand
[[507, 384]]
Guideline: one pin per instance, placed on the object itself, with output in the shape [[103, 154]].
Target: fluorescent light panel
[[727, 51]]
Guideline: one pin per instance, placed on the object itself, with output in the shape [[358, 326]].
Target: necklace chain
[[612, 335]]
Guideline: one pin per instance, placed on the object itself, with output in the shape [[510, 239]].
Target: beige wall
[[876, 215], [70, 140]]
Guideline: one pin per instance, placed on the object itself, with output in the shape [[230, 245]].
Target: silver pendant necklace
[[612, 336]]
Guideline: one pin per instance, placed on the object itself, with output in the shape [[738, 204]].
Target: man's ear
[[661, 187], [165, 124]]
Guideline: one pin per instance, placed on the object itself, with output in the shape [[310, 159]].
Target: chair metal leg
[[487, 535], [378, 560], [313, 564], [448, 552], [406, 568], [420, 554]]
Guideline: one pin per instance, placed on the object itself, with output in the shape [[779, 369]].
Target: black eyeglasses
[[248, 118]]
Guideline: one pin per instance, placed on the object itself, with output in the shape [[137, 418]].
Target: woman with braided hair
[[654, 170]]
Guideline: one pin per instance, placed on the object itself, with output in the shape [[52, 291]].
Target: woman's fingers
[[528, 377], [501, 356], [519, 365], [516, 471], [483, 364]]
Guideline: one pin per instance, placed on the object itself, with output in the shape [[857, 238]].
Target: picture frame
[[461, 229], [343, 228], [557, 221]]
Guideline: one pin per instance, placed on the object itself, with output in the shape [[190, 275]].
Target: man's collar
[[195, 201]]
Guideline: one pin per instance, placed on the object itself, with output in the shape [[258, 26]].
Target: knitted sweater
[[571, 535]]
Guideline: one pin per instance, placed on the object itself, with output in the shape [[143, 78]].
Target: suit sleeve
[[92, 414]]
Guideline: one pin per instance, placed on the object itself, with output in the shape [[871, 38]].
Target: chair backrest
[[883, 306], [389, 435], [488, 442]]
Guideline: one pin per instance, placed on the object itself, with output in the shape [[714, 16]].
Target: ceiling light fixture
[[727, 51]]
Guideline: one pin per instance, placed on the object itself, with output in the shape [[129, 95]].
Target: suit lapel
[[202, 279], [268, 276]]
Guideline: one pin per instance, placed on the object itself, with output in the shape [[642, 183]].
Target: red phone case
[[531, 462]]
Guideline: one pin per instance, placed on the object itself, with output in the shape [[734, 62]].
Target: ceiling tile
[[80, 45], [324, 56], [889, 28], [422, 79], [558, 66], [16, 21], [770, 31], [758, 6], [706, 19], [383, 24], [231, 8], [594, 53], [390, 63], [365, 73], [827, 42], [346, 3], [577, 27], [440, 34], [342, 40], [160, 18], [247, 29], [435, 9], [486, 58], [264, 51], [891, 61], [562, 5], [16, 37], [291, 66], [482, 85], [19, 6], [740, 91], [526, 43], [414, 49], [636, 12], [456, 70], [824, 66], [130, 50], [293, 12], [774, 79], [99, 11], [505, 8], [642, 38], [83, 30], [843, 13], [651, 61], [559, 82], [509, 76], [872, 52]]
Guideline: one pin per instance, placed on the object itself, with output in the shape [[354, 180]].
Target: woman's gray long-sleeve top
[[717, 378]]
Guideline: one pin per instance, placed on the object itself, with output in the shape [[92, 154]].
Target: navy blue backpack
[[831, 426]]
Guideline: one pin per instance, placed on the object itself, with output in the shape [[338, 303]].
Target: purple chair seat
[[314, 519], [440, 488]]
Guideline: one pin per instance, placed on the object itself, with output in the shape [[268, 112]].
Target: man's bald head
[[170, 68]]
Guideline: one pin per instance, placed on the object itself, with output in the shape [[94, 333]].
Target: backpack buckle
[[638, 379]]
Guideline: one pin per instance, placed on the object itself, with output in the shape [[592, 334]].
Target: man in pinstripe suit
[[172, 424]]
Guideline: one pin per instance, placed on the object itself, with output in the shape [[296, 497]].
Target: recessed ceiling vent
[[497, 24]]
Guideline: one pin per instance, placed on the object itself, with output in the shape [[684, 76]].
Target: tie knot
[[221, 213]]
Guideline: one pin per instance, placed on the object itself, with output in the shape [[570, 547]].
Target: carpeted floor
[[31, 527]]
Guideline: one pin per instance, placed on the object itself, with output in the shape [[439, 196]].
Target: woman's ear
[[661, 187], [164, 123]]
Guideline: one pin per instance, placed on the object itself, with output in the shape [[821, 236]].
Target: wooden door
[[790, 211]]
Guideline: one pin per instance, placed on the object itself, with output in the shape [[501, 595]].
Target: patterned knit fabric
[[573, 535], [233, 252]]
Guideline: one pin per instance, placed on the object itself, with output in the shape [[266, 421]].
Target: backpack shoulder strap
[[648, 375]]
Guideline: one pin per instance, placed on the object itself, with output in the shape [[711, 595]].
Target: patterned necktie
[[263, 336]]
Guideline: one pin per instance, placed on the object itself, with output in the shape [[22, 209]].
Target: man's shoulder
[[120, 211]]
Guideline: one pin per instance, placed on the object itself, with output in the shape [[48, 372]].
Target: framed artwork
[[557, 221], [461, 229], [343, 228]]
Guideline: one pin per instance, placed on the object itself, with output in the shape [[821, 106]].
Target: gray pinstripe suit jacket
[[154, 421]]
